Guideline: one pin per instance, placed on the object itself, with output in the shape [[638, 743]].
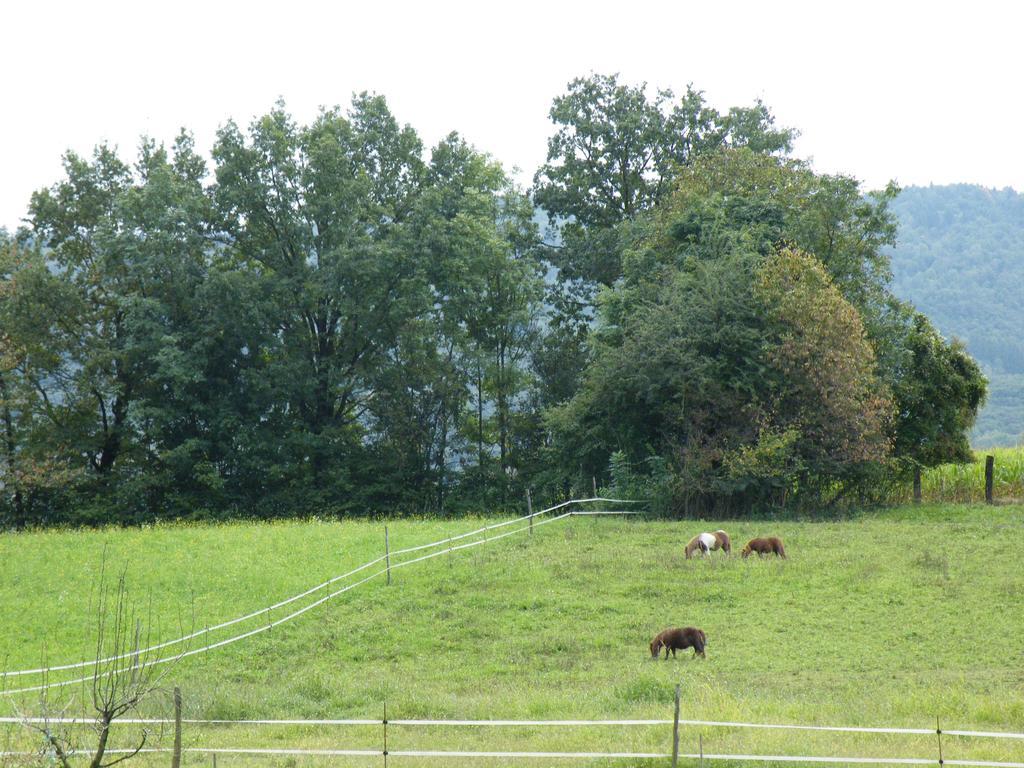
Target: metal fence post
[[385, 733], [938, 735], [387, 553], [529, 509]]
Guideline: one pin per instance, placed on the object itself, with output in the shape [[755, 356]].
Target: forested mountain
[[960, 259]]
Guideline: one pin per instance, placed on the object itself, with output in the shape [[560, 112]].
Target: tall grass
[[965, 483]]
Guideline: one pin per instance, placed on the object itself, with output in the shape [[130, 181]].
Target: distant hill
[[960, 259]]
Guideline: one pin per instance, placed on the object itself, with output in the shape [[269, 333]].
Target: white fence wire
[[810, 759], [444, 546], [423, 722], [285, 751]]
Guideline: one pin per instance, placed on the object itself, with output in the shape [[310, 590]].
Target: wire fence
[[674, 755], [441, 546], [423, 553]]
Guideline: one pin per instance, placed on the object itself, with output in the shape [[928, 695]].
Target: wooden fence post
[[990, 462], [917, 485], [387, 553], [675, 733], [529, 509], [176, 756]]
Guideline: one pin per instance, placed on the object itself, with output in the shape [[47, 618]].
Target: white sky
[[923, 93]]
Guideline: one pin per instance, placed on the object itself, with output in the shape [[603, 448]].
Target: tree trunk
[[10, 445], [442, 454], [101, 745], [502, 420], [111, 447], [480, 415]]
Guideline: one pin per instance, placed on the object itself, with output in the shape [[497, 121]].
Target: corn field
[[965, 483]]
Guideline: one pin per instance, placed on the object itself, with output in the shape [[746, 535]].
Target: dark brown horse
[[679, 638], [769, 546]]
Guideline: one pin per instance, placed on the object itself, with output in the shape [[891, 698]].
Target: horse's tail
[[703, 641]]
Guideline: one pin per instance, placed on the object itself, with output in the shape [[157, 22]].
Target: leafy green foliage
[[615, 154], [964, 482], [333, 320], [751, 376], [940, 395], [333, 325], [826, 390], [760, 371]]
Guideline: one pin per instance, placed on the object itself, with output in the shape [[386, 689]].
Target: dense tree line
[[333, 320]]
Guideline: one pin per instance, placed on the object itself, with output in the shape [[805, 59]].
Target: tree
[[319, 213], [740, 197], [472, 230], [502, 331], [80, 222], [844, 396], [825, 390], [31, 470], [126, 353], [749, 377], [125, 676], [938, 396], [615, 154]]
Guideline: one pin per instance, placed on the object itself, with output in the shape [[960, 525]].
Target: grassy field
[[891, 618]]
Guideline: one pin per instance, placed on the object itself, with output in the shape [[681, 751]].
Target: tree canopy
[[330, 318], [616, 153], [752, 351]]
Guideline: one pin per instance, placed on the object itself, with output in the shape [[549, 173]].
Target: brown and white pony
[[709, 542]]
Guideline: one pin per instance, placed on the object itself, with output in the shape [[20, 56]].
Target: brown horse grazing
[[708, 542], [679, 638], [769, 546]]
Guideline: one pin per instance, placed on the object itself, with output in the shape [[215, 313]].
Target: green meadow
[[893, 618]]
